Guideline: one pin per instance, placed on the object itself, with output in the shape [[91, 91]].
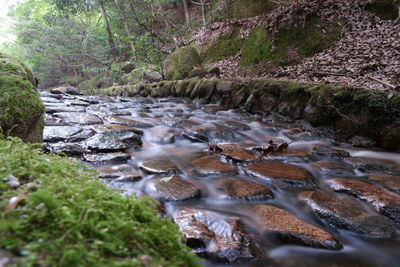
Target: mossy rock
[[291, 45], [384, 9], [238, 9], [179, 64], [142, 74], [225, 46], [21, 110]]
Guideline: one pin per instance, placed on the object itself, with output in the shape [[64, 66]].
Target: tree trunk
[[126, 26], [187, 15], [110, 38], [203, 12]]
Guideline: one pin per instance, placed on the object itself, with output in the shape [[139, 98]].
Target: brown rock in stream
[[211, 165], [159, 166], [386, 202], [282, 174], [389, 181], [217, 237], [234, 151], [237, 188], [172, 188], [288, 229], [348, 214]]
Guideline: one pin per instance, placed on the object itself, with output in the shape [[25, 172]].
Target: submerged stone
[[389, 181], [129, 122], [234, 151], [159, 165], [282, 174], [386, 202], [212, 165], [217, 237], [172, 188], [237, 188], [348, 214], [283, 227]]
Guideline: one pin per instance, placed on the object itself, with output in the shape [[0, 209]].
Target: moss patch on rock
[[179, 64], [291, 45], [65, 216], [238, 9], [101, 80], [21, 110], [225, 46]]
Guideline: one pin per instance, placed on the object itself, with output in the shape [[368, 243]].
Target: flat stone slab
[[71, 149], [79, 118], [99, 128], [172, 188], [282, 174], [331, 169], [234, 151], [61, 108], [386, 202], [288, 229], [66, 133], [237, 188], [217, 237], [348, 214], [106, 157], [112, 141], [159, 165], [212, 165]]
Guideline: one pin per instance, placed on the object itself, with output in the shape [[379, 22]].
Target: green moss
[[257, 47], [181, 62], [291, 45], [396, 101], [21, 109], [101, 80], [70, 218], [225, 46], [238, 9], [385, 9]]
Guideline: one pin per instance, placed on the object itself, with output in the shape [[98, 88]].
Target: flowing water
[[182, 138]]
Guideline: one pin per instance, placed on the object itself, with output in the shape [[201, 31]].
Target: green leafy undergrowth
[[69, 218]]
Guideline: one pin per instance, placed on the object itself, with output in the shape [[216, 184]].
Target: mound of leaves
[[54, 211]]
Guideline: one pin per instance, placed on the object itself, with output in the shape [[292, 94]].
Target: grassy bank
[[67, 217]]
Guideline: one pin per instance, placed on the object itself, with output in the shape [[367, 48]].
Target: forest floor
[[366, 55]]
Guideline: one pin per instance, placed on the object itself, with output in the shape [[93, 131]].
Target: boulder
[[179, 64], [21, 110], [141, 75], [66, 90]]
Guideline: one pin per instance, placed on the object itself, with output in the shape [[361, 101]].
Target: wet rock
[[326, 152], [79, 118], [129, 122], [77, 102], [236, 125], [158, 166], [50, 100], [48, 94], [210, 134], [63, 108], [234, 151], [327, 168], [283, 227], [66, 133], [53, 121], [282, 174], [66, 90], [106, 157], [237, 188], [348, 214], [99, 128], [212, 165], [172, 188], [217, 237], [389, 181], [70, 149], [106, 109], [360, 141], [386, 202], [373, 166], [115, 140]]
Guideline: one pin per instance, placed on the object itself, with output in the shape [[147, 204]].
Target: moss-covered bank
[[21, 110], [348, 111], [67, 217]]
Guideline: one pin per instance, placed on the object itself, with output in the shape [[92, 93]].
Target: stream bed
[[245, 190]]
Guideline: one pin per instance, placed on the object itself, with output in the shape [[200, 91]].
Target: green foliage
[[225, 46], [181, 62], [70, 218]]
